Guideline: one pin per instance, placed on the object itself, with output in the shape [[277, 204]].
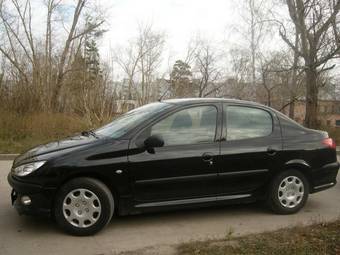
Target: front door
[[250, 150], [184, 170]]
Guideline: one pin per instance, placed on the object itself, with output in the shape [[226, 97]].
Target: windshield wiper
[[88, 133]]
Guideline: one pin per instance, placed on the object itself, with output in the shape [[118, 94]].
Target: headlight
[[27, 168]]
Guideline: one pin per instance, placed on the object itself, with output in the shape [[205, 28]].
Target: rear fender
[[297, 163], [301, 165]]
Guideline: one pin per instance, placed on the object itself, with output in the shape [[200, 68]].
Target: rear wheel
[[288, 192], [83, 206]]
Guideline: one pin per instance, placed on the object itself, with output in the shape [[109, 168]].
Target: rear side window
[[247, 122]]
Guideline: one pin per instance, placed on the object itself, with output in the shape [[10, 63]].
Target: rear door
[[184, 170], [251, 148]]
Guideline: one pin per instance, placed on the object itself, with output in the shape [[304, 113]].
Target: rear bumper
[[41, 198], [325, 177]]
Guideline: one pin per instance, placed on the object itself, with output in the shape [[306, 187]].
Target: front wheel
[[83, 206], [288, 192]]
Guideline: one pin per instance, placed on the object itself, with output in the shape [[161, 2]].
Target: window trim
[[177, 109], [224, 121]]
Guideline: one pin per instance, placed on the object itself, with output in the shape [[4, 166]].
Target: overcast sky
[[180, 20], [216, 21]]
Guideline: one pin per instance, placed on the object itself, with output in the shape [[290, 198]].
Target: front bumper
[[41, 197], [325, 177]]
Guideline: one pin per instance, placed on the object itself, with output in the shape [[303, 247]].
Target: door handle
[[208, 157], [271, 151]]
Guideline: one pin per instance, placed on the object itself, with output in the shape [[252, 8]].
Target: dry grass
[[20, 132], [321, 238]]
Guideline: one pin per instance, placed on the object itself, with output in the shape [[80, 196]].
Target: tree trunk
[[292, 107], [66, 50], [269, 100], [56, 92], [311, 98], [252, 44], [293, 85], [200, 92]]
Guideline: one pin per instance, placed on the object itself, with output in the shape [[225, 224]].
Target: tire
[[83, 206], [288, 192]]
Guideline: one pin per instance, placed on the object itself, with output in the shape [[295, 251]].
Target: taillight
[[329, 142]]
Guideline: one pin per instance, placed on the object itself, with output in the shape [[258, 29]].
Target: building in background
[[329, 112]]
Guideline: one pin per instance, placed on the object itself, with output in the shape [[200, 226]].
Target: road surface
[[155, 233]]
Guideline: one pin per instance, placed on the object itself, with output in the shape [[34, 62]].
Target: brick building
[[329, 112]]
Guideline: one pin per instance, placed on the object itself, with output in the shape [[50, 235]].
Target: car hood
[[67, 144]]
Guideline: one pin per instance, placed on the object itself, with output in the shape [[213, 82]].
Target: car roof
[[188, 101], [184, 101]]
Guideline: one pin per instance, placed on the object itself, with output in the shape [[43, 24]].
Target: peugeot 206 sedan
[[174, 154]]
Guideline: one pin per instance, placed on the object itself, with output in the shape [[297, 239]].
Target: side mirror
[[154, 141]]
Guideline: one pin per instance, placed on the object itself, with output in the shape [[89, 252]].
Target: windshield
[[130, 120]]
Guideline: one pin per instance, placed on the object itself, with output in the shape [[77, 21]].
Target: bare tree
[[73, 34], [51, 6], [207, 69], [151, 45], [316, 23], [267, 80], [256, 27], [140, 61], [293, 84], [19, 48], [277, 82], [40, 76], [237, 84]]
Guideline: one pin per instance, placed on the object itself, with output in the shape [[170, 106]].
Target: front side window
[[246, 122], [189, 126]]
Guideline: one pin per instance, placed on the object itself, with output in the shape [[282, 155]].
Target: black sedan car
[[174, 154]]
